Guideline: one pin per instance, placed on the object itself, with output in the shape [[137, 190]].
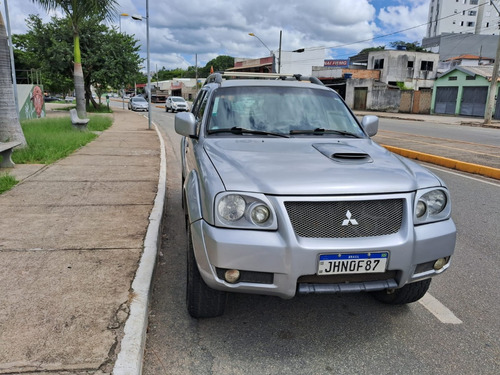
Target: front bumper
[[280, 263]]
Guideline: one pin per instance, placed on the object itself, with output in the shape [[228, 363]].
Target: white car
[[176, 104]]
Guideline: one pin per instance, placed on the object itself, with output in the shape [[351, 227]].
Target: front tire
[[202, 301], [407, 294]]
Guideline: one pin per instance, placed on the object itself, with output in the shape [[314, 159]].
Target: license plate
[[338, 264]]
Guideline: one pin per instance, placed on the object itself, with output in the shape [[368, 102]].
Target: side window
[[197, 104]]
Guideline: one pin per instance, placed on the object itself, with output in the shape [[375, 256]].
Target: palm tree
[[10, 127], [77, 11]]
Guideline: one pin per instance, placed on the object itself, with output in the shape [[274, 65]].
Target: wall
[[379, 97], [416, 101], [300, 62]]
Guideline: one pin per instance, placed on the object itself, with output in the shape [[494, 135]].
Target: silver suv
[[285, 193]]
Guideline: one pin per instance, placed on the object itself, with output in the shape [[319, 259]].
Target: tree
[[220, 63], [414, 46], [10, 127], [111, 58], [78, 11], [370, 49]]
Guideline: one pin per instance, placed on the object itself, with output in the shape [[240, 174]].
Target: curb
[[446, 162], [130, 357]]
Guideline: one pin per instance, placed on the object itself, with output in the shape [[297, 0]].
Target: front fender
[[191, 190]]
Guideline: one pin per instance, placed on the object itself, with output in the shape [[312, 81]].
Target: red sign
[[337, 63]]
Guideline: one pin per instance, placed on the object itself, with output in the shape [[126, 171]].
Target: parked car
[[138, 103], [49, 99], [176, 104], [285, 193]]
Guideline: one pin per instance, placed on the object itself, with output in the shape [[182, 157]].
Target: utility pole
[[492, 93]]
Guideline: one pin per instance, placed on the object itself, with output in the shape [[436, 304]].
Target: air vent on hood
[[343, 153]]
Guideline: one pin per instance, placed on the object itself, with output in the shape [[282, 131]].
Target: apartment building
[[462, 17]]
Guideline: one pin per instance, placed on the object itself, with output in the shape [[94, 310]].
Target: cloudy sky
[[180, 29]]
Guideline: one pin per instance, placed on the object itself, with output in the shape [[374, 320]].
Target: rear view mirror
[[185, 124], [370, 124]]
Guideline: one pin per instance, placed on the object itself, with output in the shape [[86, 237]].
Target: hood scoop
[[343, 153]]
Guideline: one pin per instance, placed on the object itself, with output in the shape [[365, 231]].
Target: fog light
[[232, 276], [440, 263]]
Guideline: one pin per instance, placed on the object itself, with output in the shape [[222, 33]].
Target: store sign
[[337, 63]]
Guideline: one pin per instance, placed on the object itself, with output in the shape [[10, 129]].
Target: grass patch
[[103, 108], [51, 139], [6, 182]]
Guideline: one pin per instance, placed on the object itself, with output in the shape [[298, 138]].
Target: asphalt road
[[458, 332]]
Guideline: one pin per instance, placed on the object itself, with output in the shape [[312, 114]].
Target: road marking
[[439, 310], [462, 175]]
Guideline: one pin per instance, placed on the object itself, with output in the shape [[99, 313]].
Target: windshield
[[177, 99], [292, 111], [138, 99]]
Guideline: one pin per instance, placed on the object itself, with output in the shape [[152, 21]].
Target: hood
[[308, 166]]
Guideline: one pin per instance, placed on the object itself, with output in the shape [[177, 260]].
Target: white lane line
[[439, 310]]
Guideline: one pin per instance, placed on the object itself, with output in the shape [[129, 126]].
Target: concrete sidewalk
[[71, 240]]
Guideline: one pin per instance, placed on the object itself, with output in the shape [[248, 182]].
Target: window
[[379, 64], [472, 12], [410, 64], [452, 78], [470, 24], [473, 2], [487, 24], [427, 65], [462, 23], [278, 109], [470, 78]]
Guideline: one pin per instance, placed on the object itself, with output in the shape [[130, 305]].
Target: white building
[[462, 17]]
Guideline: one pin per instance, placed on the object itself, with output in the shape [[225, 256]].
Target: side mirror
[[185, 124], [370, 124]]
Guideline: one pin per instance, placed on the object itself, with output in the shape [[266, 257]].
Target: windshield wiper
[[237, 130], [320, 131]]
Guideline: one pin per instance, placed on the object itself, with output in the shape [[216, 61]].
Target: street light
[[252, 34], [139, 18], [120, 19], [264, 44], [271, 52]]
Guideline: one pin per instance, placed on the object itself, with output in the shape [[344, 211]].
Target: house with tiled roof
[[463, 90]]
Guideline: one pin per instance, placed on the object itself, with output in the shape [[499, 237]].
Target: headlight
[[231, 207], [244, 211], [432, 205]]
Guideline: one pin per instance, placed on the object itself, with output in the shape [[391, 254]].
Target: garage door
[[474, 101], [446, 100]]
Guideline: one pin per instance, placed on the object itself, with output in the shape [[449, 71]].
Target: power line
[[397, 32]]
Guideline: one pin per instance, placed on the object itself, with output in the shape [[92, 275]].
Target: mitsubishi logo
[[349, 220]]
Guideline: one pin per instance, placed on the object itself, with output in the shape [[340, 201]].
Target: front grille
[[346, 219]]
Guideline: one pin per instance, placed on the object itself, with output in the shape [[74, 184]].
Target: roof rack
[[217, 77]]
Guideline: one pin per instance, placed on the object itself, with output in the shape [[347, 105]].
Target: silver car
[[285, 193], [138, 103]]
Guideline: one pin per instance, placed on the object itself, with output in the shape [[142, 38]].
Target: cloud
[[401, 17], [180, 29]]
